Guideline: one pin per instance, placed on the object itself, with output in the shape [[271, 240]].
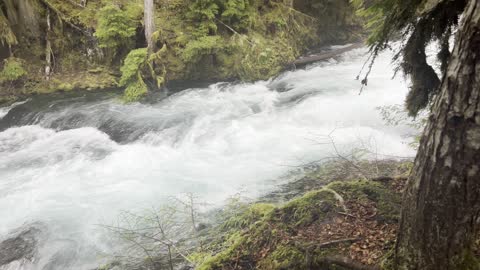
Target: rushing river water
[[74, 162]]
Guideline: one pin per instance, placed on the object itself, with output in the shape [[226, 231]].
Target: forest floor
[[347, 220], [341, 215]]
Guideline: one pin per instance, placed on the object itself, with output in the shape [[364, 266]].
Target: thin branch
[[233, 30], [62, 16], [346, 159]]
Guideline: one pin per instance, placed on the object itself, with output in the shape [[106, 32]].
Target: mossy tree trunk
[[441, 208]]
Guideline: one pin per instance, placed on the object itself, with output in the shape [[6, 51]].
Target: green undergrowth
[[264, 236], [116, 27], [131, 78], [194, 39], [387, 202], [12, 70]]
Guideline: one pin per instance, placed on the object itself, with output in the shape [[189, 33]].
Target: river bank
[[98, 158], [345, 224], [337, 219], [86, 45]]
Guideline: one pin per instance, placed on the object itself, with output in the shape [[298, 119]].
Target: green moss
[[132, 75], [252, 231], [307, 209], [66, 86], [202, 46], [132, 65], [77, 81], [388, 203], [12, 70], [467, 261], [135, 90], [284, 257], [251, 215], [234, 246]]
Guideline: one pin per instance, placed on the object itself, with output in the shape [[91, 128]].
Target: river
[[73, 162]]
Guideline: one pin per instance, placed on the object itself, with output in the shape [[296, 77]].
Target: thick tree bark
[[149, 12], [441, 208]]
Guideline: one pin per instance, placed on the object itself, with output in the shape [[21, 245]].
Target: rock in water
[[20, 249]]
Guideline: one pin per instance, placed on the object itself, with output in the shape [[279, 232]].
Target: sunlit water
[[75, 165]]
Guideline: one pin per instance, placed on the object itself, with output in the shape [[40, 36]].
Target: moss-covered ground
[[351, 218]]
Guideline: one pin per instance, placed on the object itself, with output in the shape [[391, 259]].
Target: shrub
[[132, 65], [131, 70], [115, 27], [12, 70], [202, 46], [237, 13], [203, 13]]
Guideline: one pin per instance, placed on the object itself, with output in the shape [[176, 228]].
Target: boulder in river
[[19, 249]]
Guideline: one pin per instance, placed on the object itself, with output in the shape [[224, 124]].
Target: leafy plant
[[12, 70], [132, 74], [116, 27], [202, 46], [237, 13], [203, 14]]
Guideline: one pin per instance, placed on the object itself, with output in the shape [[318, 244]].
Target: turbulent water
[[74, 162]]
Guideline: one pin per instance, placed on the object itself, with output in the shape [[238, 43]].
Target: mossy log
[[305, 60]]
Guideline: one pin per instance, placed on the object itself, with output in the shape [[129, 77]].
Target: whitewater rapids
[[77, 162]]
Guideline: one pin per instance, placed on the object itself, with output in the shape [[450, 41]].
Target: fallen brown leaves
[[360, 234], [374, 238]]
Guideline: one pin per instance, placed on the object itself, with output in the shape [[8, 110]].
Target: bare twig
[[346, 159], [347, 215], [233, 30]]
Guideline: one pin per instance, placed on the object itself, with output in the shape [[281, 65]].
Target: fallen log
[[305, 60]]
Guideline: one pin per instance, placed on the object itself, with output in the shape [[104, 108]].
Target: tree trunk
[[441, 207], [149, 18], [48, 48]]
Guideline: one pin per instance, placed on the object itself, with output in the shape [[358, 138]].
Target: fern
[[115, 27]]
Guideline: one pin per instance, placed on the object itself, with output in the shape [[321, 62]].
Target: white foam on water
[[218, 140]]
